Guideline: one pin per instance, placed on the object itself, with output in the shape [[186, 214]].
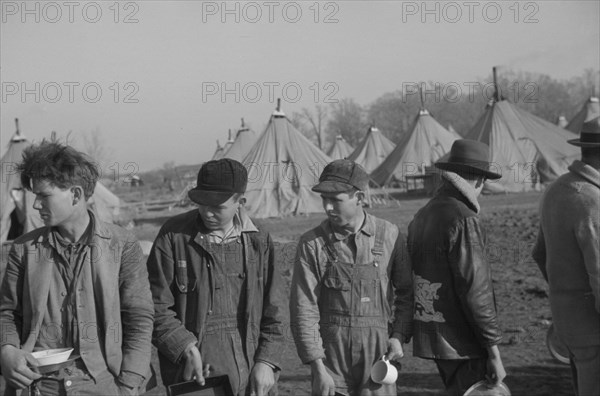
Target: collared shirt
[[353, 247], [61, 329], [233, 233], [309, 267], [67, 296]]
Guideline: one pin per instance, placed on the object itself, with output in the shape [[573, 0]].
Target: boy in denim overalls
[[347, 272]]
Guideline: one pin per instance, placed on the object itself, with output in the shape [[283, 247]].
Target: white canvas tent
[[340, 148], [242, 144], [283, 166], [372, 150], [525, 149], [105, 204], [562, 121], [589, 111], [426, 143], [218, 154], [17, 215], [228, 144], [452, 130]]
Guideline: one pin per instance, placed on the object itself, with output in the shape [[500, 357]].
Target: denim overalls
[[354, 314]]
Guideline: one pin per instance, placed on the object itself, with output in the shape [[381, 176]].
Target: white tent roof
[[425, 144], [372, 150], [283, 166], [241, 145], [13, 197], [340, 148], [589, 111], [524, 148]]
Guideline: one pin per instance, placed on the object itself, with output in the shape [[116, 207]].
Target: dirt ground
[[511, 223]]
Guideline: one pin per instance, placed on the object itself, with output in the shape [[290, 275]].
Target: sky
[[163, 80]]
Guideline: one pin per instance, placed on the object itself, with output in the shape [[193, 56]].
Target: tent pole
[[496, 95]]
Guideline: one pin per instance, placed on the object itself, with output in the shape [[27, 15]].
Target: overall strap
[[377, 249], [377, 256]]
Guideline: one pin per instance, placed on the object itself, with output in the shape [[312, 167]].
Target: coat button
[[210, 311], [63, 294], [68, 383]]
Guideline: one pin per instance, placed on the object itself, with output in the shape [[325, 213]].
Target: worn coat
[[115, 281], [181, 293], [568, 253]]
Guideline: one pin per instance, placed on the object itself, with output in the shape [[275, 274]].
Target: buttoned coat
[[568, 253]]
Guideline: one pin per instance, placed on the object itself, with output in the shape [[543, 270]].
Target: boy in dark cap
[[455, 320], [216, 289], [346, 272]]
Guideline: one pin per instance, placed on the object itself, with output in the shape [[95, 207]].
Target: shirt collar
[[95, 228], [241, 224], [367, 228], [58, 242]]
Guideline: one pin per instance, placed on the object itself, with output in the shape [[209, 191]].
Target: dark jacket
[[180, 290], [455, 312]]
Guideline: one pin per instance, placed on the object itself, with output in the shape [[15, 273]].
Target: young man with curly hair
[[75, 283]]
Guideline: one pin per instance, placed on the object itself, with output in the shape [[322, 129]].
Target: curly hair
[[59, 164]]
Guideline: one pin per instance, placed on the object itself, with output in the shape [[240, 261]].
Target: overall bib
[[354, 319], [222, 343]]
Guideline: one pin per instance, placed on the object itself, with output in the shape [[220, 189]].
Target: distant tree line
[[456, 104]]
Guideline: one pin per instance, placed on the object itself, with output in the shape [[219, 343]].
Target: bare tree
[[311, 124], [96, 147], [347, 119]]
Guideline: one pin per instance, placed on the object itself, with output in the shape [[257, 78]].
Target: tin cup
[[383, 372]]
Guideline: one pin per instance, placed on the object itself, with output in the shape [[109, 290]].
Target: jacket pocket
[[185, 284]]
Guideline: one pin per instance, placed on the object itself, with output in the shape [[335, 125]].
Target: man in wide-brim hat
[[216, 289], [455, 319], [568, 254]]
